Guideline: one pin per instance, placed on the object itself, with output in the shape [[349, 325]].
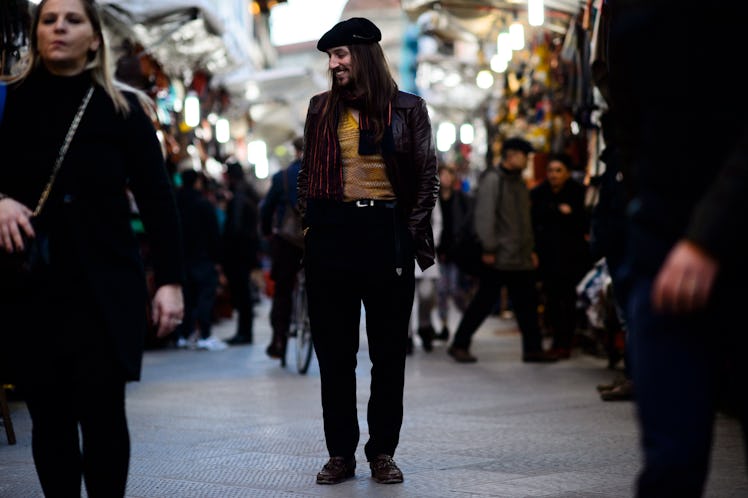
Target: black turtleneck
[[38, 113]]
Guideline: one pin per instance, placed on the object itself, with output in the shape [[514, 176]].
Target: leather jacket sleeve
[[415, 178]]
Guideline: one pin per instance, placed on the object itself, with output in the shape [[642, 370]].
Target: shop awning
[[186, 35]]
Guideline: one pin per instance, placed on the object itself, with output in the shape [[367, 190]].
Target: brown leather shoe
[[384, 470], [337, 469], [461, 355]]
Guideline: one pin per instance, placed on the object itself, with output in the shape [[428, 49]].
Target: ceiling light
[[517, 36], [504, 46], [223, 130], [467, 133], [484, 79], [535, 12], [446, 134], [498, 64], [192, 110]]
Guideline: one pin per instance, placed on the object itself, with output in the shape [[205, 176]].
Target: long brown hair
[[375, 87]]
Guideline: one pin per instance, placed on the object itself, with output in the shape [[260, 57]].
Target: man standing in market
[[366, 188], [685, 151]]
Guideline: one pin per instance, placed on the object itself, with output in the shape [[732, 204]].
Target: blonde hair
[[98, 62]]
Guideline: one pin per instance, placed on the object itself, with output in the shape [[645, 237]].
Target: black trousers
[[561, 309], [350, 261], [237, 275], [524, 296], [75, 393], [96, 406], [199, 299], [286, 263]]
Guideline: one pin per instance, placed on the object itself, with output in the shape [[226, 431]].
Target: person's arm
[[302, 180], [486, 199], [715, 233], [149, 183], [426, 167]]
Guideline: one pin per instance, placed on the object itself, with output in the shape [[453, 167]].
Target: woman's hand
[[685, 280], [14, 217], [168, 309]]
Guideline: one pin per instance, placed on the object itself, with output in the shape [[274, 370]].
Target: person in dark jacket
[[285, 250], [453, 284], [561, 224], [241, 241], [77, 332], [366, 189], [202, 254], [685, 265]]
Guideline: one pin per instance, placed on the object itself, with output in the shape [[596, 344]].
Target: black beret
[[517, 143], [353, 31]]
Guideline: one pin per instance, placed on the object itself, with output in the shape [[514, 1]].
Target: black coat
[[89, 214], [560, 239], [685, 162]]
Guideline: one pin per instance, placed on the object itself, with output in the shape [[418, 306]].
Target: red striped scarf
[[323, 161]]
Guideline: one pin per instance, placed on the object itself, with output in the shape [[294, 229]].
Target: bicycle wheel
[[304, 346]]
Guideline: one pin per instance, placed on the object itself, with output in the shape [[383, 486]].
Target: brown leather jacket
[[411, 169]]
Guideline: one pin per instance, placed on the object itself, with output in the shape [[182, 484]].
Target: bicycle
[[300, 331]]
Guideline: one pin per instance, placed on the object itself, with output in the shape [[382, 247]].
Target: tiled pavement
[[234, 424]]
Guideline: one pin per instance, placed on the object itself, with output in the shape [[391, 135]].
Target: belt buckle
[[364, 203]]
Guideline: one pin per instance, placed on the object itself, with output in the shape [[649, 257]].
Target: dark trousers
[[524, 296], [351, 258], [286, 263], [237, 275], [199, 297], [73, 382], [561, 309], [97, 407], [683, 367]]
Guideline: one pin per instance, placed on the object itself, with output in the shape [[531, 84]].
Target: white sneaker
[[184, 343], [211, 344]]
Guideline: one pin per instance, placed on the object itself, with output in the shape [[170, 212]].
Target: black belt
[[363, 203]]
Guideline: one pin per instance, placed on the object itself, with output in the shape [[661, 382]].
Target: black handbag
[[33, 260]]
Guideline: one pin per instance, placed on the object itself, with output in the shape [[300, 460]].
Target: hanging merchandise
[[14, 23]]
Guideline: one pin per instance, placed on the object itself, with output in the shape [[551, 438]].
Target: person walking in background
[[425, 295], [286, 250], [454, 206], [561, 225], [202, 253], [366, 189], [241, 242], [502, 222], [84, 317], [685, 263]]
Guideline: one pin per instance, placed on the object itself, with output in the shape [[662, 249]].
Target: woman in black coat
[[560, 224], [78, 331]]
